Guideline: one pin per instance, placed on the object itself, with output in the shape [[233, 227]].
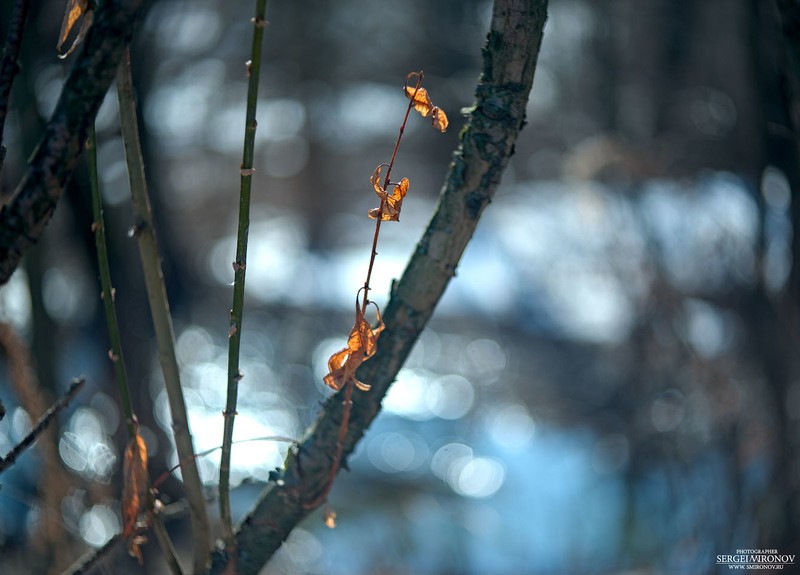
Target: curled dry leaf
[[391, 204], [361, 345], [134, 489], [422, 104], [75, 9], [440, 121]]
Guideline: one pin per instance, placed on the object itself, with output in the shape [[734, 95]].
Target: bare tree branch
[[9, 66], [41, 425], [28, 212], [487, 143]]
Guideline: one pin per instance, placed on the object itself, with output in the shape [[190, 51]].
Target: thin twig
[[280, 438], [386, 181], [9, 67], [239, 269], [54, 480], [115, 354], [164, 541], [166, 513], [107, 291], [162, 320], [91, 557], [41, 425]]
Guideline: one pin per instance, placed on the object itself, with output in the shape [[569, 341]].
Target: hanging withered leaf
[[361, 345], [134, 491], [391, 203], [440, 121], [75, 9], [422, 104]]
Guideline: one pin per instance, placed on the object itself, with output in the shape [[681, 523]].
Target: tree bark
[[486, 145], [25, 216]]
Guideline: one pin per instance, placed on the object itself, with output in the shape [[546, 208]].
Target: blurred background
[[610, 384]]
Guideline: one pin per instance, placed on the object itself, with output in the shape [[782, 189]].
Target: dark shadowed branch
[[41, 425], [28, 212], [9, 66], [487, 143]]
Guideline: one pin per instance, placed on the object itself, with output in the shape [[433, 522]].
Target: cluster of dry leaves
[[362, 342], [422, 104]]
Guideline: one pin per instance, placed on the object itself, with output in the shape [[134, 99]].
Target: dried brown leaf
[[75, 9], [423, 104], [361, 345], [440, 121], [421, 100], [392, 204], [134, 489], [375, 179]]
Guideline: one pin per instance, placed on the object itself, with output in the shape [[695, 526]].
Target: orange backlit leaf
[[423, 104], [375, 179], [421, 100], [361, 345], [134, 489], [75, 9], [440, 121], [392, 204]]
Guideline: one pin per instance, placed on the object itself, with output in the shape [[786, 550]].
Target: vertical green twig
[[115, 353], [162, 321], [239, 269], [108, 292]]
